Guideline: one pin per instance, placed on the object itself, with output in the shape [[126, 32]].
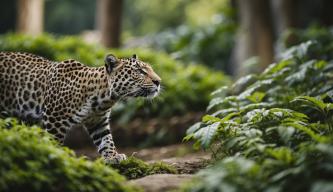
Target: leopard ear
[[135, 56], [111, 62]]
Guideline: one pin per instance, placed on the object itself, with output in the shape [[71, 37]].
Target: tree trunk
[[255, 34], [109, 14], [30, 16], [285, 14], [326, 16]]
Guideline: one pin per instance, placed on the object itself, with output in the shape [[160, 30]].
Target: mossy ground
[[133, 168], [31, 160]]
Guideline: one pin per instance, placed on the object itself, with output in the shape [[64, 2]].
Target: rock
[[188, 164], [161, 182]]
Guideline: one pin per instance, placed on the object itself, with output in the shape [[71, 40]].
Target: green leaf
[[258, 85], [215, 102], [303, 127], [302, 74], [320, 64], [312, 102], [274, 68], [256, 97], [230, 116], [210, 119], [243, 83], [284, 154], [221, 92], [322, 186], [206, 134], [224, 112], [299, 51], [252, 106], [193, 128], [286, 133]]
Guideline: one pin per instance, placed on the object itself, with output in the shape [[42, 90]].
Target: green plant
[[307, 169], [185, 88], [134, 168], [209, 44], [274, 129], [322, 35], [269, 99], [31, 160]]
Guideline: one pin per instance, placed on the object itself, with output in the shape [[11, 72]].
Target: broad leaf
[[206, 134]]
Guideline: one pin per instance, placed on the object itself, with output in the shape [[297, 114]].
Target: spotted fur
[[62, 95]]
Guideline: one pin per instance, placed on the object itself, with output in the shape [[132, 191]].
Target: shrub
[[185, 87], [308, 169], [266, 100], [275, 129], [210, 44], [31, 160], [323, 36]]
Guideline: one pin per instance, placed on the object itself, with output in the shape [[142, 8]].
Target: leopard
[[61, 95]]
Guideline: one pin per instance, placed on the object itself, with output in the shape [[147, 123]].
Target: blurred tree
[[109, 21], [69, 17], [326, 15], [255, 34], [146, 17], [289, 14], [30, 16], [210, 11], [285, 14], [7, 15], [262, 22]]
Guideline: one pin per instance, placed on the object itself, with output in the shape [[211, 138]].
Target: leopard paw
[[116, 159]]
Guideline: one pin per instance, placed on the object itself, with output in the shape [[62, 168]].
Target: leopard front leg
[[100, 133], [108, 151]]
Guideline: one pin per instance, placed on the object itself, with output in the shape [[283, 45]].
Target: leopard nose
[[157, 83]]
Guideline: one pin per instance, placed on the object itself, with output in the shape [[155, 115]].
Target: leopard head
[[131, 77]]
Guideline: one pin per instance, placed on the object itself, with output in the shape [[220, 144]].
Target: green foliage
[[275, 128], [134, 168], [185, 88], [209, 11], [31, 160], [145, 17], [322, 35], [308, 169], [54, 48], [209, 44]]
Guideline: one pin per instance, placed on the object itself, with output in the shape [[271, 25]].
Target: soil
[[161, 182]]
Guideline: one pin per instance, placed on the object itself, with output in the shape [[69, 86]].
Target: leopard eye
[[142, 72]]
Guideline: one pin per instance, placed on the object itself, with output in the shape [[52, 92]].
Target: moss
[[31, 160], [134, 168]]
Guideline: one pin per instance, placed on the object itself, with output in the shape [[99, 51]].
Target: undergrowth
[[31, 160], [272, 131], [184, 87], [134, 168]]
